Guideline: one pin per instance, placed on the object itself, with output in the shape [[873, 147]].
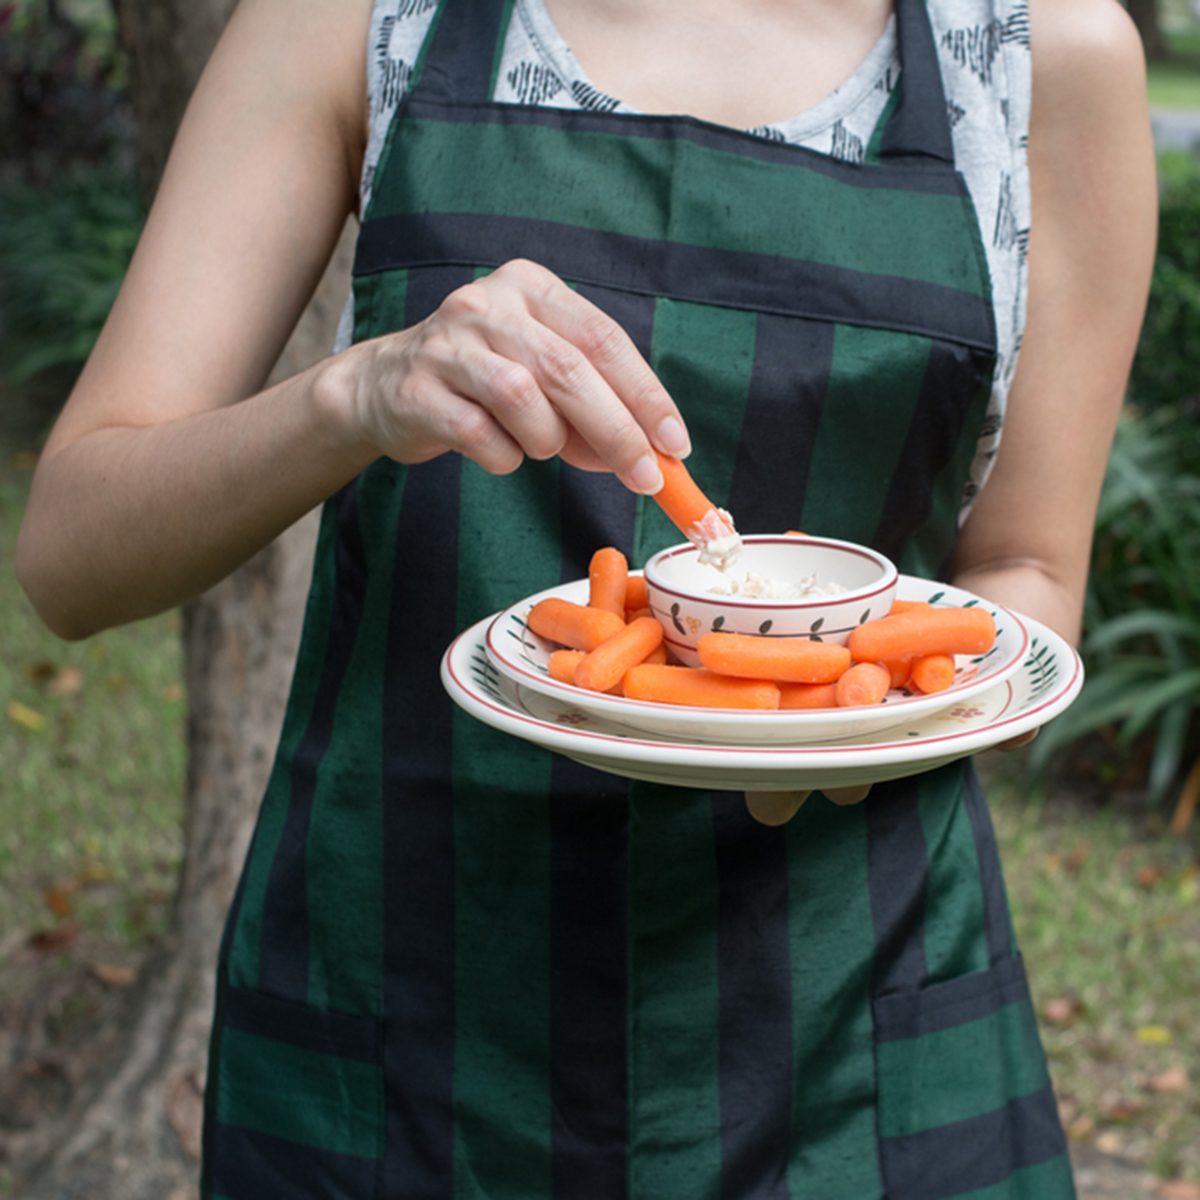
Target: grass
[[1106, 905], [92, 761], [1107, 909], [1176, 82]]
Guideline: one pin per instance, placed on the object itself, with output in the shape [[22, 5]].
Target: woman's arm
[[168, 467], [154, 482], [1027, 541]]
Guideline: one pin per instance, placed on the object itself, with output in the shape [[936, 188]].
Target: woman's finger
[[1022, 739], [847, 795], [774, 808], [511, 395], [449, 421], [608, 348], [583, 396], [579, 454]]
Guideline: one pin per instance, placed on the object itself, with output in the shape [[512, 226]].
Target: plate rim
[[758, 755]]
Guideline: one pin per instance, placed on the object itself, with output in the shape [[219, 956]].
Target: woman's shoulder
[[1089, 86], [1084, 46], [306, 52]]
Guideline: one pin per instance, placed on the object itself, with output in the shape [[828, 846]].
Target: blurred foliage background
[[1098, 831]]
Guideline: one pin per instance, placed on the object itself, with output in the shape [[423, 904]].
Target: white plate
[[523, 656], [1047, 679]]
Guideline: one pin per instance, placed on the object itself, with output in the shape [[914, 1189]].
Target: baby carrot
[[562, 664], [680, 497], [698, 688], [863, 683], [808, 695], [899, 606], [933, 673], [632, 614], [900, 670], [923, 631], [636, 595], [785, 659], [658, 654], [573, 625], [608, 574], [603, 667]]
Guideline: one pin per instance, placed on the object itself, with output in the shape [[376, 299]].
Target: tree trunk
[[1145, 17], [134, 1131]]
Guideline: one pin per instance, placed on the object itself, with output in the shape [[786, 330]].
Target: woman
[[457, 966]]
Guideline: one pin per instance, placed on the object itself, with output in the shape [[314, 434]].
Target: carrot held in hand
[[604, 667], [697, 688], [933, 673], [695, 515], [573, 625], [922, 631], [608, 574], [863, 683], [784, 659]]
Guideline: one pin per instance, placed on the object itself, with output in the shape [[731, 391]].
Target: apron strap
[[919, 127], [462, 53]]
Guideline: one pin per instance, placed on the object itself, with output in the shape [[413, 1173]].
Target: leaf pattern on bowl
[[675, 620]]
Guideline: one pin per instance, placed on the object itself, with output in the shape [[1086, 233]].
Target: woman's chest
[[744, 66]]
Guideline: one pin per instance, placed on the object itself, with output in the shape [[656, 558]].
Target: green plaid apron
[[460, 966]]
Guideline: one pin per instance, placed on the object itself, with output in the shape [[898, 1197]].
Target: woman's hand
[[777, 808], [516, 364]]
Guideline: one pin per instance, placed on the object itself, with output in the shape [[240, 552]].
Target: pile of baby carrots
[[615, 644]]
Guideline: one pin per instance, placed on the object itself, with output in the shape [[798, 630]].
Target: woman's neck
[[754, 63]]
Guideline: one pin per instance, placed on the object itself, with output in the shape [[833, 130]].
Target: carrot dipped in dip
[[706, 526]]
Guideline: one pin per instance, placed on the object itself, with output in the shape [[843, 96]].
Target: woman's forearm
[[126, 521], [1031, 588]]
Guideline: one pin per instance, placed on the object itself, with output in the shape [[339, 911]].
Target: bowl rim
[[752, 604]]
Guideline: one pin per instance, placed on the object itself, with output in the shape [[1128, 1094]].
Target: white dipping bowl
[[680, 586]]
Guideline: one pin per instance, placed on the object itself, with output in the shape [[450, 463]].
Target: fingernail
[[673, 438], [645, 476]]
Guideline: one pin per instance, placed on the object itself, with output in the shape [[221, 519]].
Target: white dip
[[720, 546], [756, 587], [717, 540]]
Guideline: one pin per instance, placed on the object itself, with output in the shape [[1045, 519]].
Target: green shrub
[[63, 253], [1141, 646], [1166, 371]]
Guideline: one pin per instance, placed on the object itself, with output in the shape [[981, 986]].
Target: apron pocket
[[965, 1101], [296, 1102]]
